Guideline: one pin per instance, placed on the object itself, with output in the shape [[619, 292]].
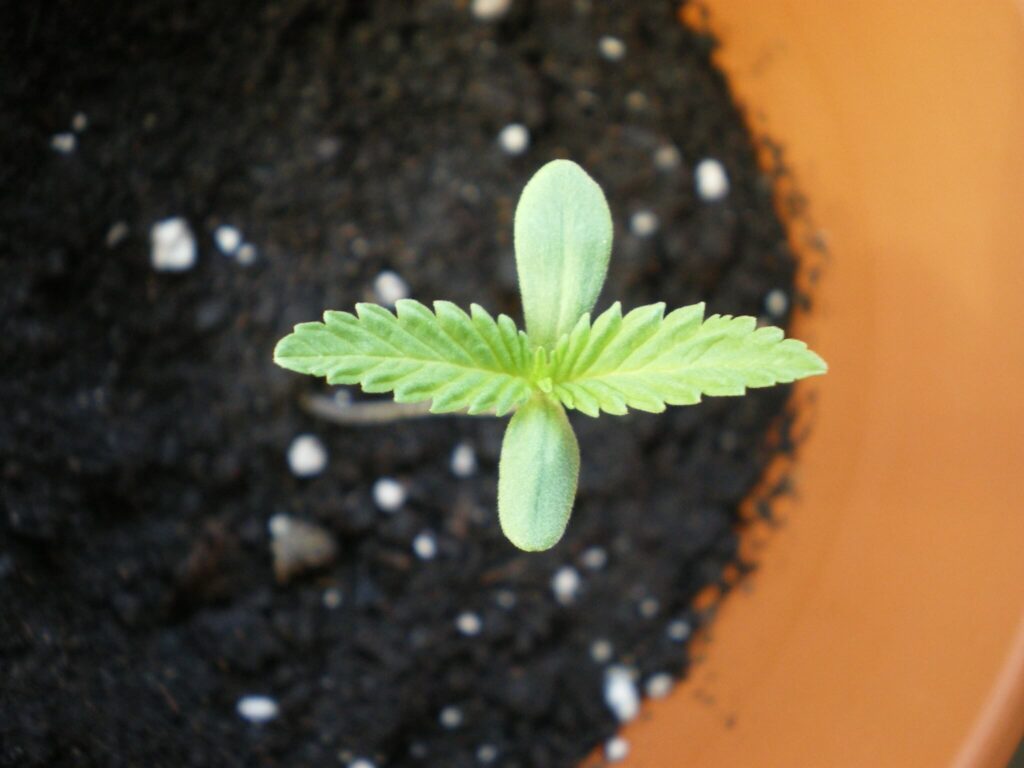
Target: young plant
[[475, 363]]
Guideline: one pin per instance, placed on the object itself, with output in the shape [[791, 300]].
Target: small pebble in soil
[[616, 749], [257, 708], [506, 599], [463, 461], [601, 651], [173, 248], [227, 238], [116, 234], [360, 247], [389, 288], [643, 223], [418, 750], [307, 456], [776, 303], [636, 101], [728, 440], [246, 254], [388, 494], [659, 685], [362, 762], [648, 608], [450, 717], [298, 546], [594, 558], [328, 148], [486, 754], [620, 693], [490, 10], [468, 624], [667, 157], [425, 546], [611, 48], [79, 122], [678, 631], [565, 584], [712, 180], [514, 139], [332, 598], [586, 98], [64, 143]]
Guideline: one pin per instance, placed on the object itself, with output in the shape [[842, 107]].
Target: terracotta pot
[[885, 626]]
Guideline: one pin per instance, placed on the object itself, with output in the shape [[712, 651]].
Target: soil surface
[[144, 429]]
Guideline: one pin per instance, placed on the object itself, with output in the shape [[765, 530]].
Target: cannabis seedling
[[471, 362]]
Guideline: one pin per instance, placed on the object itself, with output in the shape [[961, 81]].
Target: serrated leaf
[[537, 475], [646, 360], [563, 239], [458, 361]]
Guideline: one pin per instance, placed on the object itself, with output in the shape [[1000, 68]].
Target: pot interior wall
[[884, 626]]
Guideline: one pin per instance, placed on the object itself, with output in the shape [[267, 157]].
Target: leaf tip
[[286, 351], [280, 350], [817, 364]]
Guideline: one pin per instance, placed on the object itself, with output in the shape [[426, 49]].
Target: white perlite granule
[[450, 717], [667, 157], [425, 546], [489, 10], [463, 461], [486, 754], [616, 749], [594, 558], [227, 238], [776, 302], [388, 494], [601, 651], [514, 139], [659, 686], [565, 584], [257, 709], [648, 607], [390, 288], [173, 247], [246, 254], [64, 143], [712, 180], [307, 456], [611, 48], [643, 223], [620, 693], [678, 631], [468, 624], [332, 598]]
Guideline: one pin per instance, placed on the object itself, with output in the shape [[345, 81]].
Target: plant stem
[[363, 413]]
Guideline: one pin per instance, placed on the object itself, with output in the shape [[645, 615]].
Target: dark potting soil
[[144, 429]]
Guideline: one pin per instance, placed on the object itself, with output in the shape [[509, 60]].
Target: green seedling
[[472, 362]]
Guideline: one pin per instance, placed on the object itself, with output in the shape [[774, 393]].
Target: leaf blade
[[645, 361], [563, 240], [446, 357], [537, 475]]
